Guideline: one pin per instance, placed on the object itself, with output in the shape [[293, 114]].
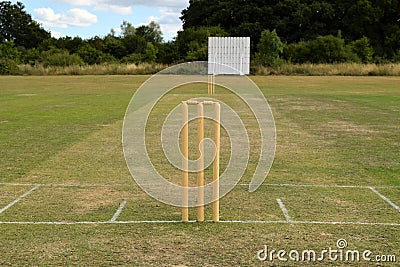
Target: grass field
[[67, 198]]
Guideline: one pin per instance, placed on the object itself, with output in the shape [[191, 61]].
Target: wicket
[[200, 173], [211, 84]]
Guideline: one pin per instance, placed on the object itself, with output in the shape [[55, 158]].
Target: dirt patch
[[349, 127], [26, 94], [95, 198], [300, 104]]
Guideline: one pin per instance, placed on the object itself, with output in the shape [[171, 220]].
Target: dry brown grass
[[342, 69], [308, 69], [350, 127], [104, 69]]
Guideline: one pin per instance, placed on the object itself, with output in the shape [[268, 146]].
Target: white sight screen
[[229, 55]]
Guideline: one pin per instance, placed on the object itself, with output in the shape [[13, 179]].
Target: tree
[[302, 20], [194, 14], [69, 43], [127, 29], [151, 33], [9, 57], [392, 43], [18, 26], [136, 40], [115, 47], [134, 44], [96, 42], [294, 19], [167, 53], [269, 48], [192, 43]]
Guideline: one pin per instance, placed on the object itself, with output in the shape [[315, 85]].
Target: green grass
[[63, 130]]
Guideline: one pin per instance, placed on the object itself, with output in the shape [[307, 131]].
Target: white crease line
[[313, 222], [251, 221], [18, 199], [192, 221], [91, 223], [324, 186], [348, 223], [15, 184], [284, 210], [149, 221], [65, 185], [119, 210], [386, 199], [278, 185]]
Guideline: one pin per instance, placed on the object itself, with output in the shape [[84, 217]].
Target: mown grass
[[43, 116], [67, 130]]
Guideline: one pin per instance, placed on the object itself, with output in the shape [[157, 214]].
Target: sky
[[89, 18]]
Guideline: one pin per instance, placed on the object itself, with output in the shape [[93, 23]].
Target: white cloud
[[115, 9], [74, 17], [154, 3], [169, 19], [169, 22], [47, 16], [128, 3], [124, 7], [79, 2], [55, 34], [169, 16], [170, 30], [80, 17], [118, 31]]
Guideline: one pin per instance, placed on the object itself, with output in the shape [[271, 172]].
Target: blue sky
[[88, 18]]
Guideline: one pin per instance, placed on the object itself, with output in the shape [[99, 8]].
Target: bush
[[133, 58], [30, 56], [151, 53], [269, 47], [197, 52], [7, 66], [396, 57], [327, 49], [297, 52], [60, 57], [9, 57], [91, 55], [363, 49], [324, 49]]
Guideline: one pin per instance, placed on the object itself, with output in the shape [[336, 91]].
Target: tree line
[[304, 20], [297, 31]]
